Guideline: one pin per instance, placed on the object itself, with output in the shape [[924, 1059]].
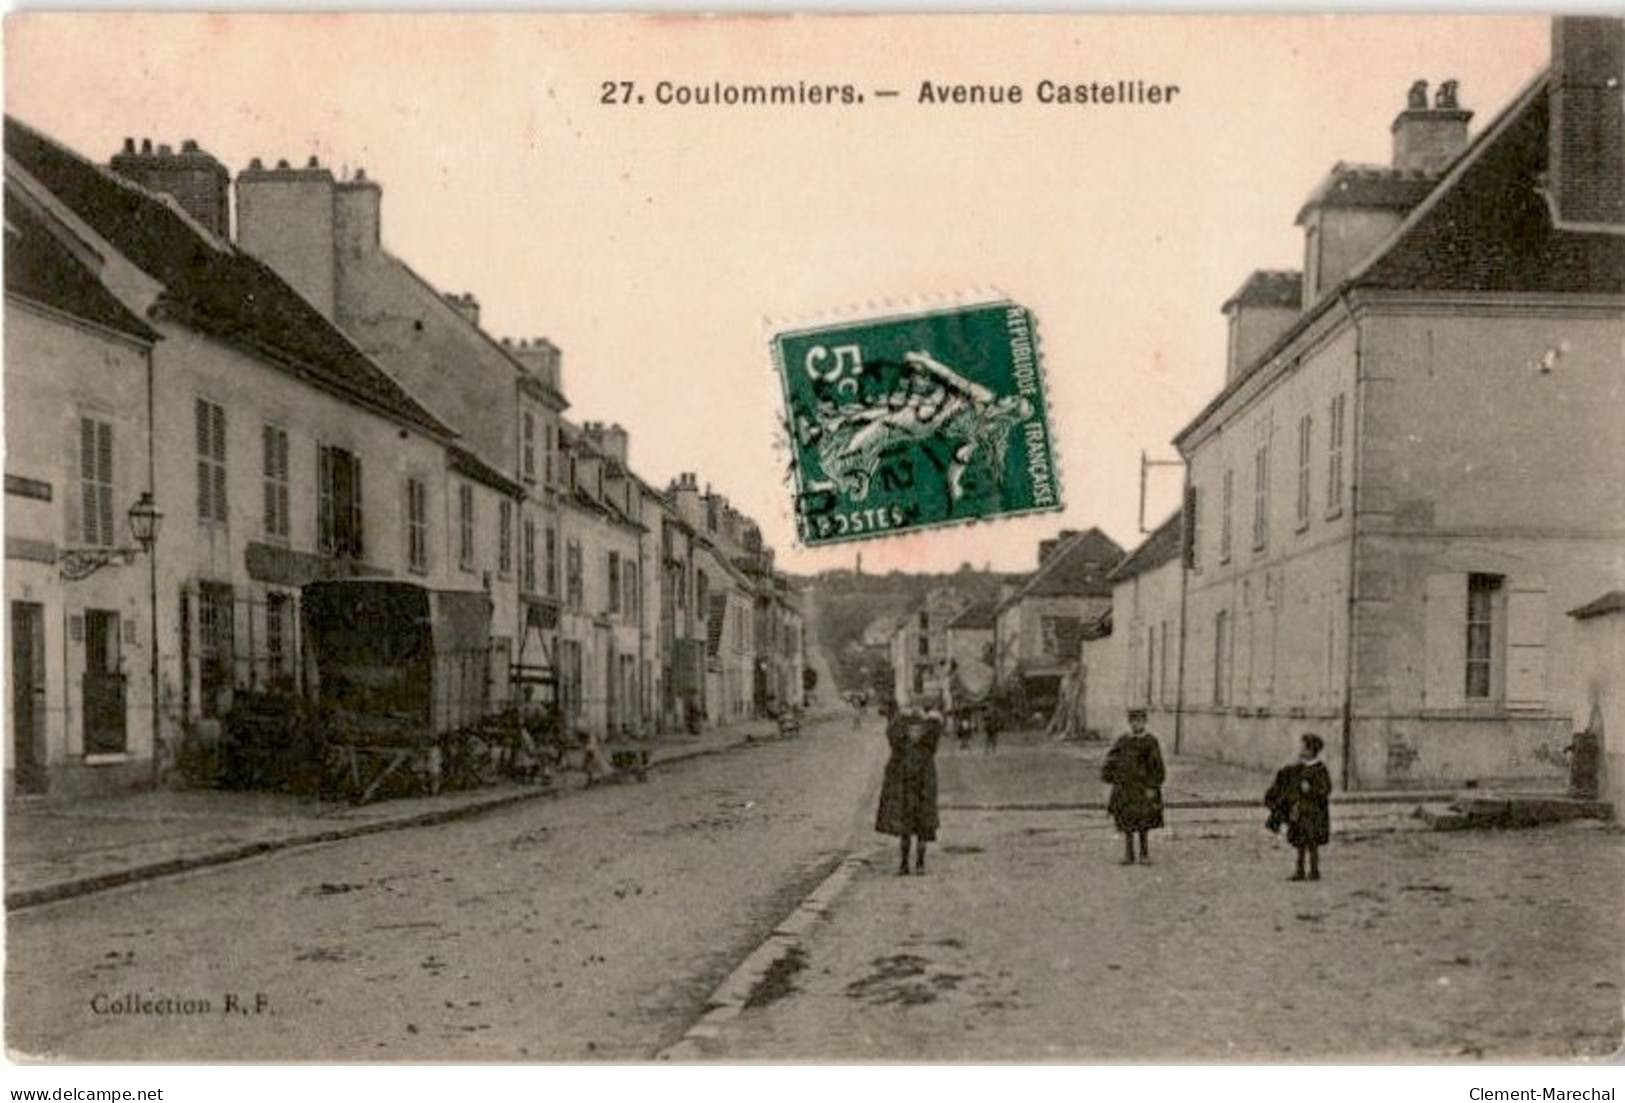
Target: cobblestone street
[[1026, 941]]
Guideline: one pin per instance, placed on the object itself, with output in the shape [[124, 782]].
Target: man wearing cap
[[1134, 769]]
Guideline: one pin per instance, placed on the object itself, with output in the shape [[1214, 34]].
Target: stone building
[[492, 518], [288, 452], [1389, 512], [1039, 621], [919, 648], [79, 693]]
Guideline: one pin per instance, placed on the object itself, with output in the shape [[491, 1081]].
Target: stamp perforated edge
[[775, 326]]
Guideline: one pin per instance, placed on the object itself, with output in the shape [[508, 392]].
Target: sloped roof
[[1078, 568], [209, 284], [1369, 186], [40, 268], [1268, 287], [977, 615], [1163, 546], [1483, 227], [467, 463]]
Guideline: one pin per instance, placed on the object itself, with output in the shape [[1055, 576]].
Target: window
[[925, 645], [1221, 658], [1481, 594], [96, 481], [505, 538], [215, 637], [1303, 471], [278, 631], [274, 473], [1051, 631], [1261, 496], [631, 583], [547, 454], [1162, 686], [925, 621], [338, 502], [614, 582], [528, 582], [701, 584], [552, 564], [465, 526], [530, 446], [417, 525], [574, 583], [1225, 528], [1150, 665], [211, 461], [1334, 457], [1192, 531]]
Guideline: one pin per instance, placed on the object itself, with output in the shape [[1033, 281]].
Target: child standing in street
[[1134, 770], [1300, 797]]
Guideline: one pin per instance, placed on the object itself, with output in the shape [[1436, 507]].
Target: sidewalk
[[54, 850]]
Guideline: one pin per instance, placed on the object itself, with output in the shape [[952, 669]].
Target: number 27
[[616, 91]]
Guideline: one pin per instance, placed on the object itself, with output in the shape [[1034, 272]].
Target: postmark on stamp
[[914, 420]]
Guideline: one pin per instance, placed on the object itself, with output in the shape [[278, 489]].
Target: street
[[597, 926], [588, 927]]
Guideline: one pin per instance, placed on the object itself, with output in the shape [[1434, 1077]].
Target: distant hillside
[[846, 603]]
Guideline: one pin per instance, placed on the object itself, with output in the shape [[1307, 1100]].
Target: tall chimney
[[466, 305], [198, 182], [356, 215], [1586, 135], [1426, 139], [285, 216]]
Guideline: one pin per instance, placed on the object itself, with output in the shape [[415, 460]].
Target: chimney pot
[[256, 165], [165, 150], [189, 146], [282, 163], [360, 175], [146, 145], [313, 163], [129, 145]]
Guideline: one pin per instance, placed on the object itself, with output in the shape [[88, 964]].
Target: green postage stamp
[[916, 420]]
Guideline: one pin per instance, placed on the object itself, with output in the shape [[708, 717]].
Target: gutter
[[1351, 443]]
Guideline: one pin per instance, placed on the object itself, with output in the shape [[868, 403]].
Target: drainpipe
[[1351, 439], [643, 689], [152, 587], [1186, 539]]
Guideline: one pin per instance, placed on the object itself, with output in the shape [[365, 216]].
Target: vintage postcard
[[540, 538]]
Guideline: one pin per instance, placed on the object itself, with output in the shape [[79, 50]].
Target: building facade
[[1389, 520]]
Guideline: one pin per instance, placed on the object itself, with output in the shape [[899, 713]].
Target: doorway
[[28, 695], [103, 683]]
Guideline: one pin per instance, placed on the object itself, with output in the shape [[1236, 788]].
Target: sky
[[652, 243]]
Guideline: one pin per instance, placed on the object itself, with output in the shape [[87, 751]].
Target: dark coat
[[1133, 768], [1300, 797], [908, 795]]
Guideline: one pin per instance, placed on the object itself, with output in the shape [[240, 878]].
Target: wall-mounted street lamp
[[144, 521], [79, 563]]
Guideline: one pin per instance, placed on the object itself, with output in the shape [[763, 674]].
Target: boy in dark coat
[[1134, 769], [1300, 797], [908, 795]]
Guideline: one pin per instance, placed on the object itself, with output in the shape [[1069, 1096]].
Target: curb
[[169, 867], [1418, 797], [787, 938]]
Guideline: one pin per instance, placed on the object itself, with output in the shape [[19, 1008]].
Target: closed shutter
[[1444, 611], [357, 544], [1526, 644], [204, 451], [218, 440], [268, 464], [89, 498]]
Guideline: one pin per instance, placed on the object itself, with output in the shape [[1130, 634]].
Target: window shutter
[[355, 508], [1444, 611], [104, 480], [90, 530], [1526, 644]]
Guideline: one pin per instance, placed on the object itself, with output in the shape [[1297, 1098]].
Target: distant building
[[1144, 636], [919, 648], [970, 650], [1038, 625]]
